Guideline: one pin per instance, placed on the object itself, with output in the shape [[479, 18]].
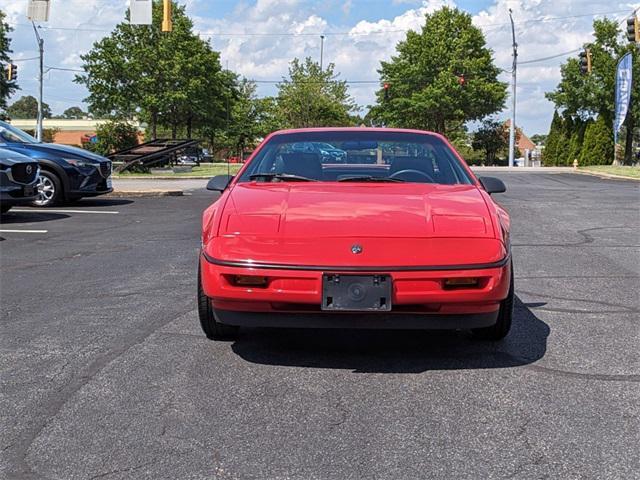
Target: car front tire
[[505, 315], [213, 329], [49, 189]]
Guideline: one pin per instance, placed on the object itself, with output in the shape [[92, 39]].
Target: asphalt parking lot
[[106, 374]]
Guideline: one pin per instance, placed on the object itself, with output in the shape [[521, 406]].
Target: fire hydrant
[[575, 164]]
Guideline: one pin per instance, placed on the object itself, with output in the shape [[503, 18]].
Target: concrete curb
[[605, 175], [159, 177], [146, 193]]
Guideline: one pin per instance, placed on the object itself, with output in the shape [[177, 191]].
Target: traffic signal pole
[[40, 81], [512, 127]]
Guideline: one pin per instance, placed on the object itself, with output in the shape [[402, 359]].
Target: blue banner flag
[[623, 93]]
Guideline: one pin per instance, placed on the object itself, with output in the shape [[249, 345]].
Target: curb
[[606, 175], [159, 177], [146, 193]]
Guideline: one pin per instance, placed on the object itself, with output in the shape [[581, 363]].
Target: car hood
[[63, 151], [371, 210], [318, 224]]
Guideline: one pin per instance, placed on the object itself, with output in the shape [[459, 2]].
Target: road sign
[[623, 92], [38, 10], [140, 12]]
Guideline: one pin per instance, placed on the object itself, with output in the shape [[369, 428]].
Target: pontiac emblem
[[356, 249]]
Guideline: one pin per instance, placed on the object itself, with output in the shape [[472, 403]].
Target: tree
[[597, 148], [112, 136], [27, 107], [539, 139], [7, 87], [75, 113], [314, 97], [491, 137], [441, 77], [587, 96], [555, 140], [171, 79]]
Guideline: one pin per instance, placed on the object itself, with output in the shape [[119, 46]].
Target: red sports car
[[399, 234]]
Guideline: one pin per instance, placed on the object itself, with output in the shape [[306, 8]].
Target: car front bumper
[[419, 297]]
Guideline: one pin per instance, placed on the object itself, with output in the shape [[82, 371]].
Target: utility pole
[[512, 127], [321, 50], [40, 80]]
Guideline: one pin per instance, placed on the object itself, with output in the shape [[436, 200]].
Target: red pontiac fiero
[[355, 228]]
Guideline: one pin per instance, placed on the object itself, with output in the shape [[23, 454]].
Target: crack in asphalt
[[587, 239], [633, 378], [624, 308], [50, 410]]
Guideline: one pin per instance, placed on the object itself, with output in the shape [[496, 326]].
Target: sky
[[258, 39]]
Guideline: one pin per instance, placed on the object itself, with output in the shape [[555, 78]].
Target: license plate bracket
[[356, 293]]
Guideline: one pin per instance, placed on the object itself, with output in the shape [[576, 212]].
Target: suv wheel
[[49, 189]]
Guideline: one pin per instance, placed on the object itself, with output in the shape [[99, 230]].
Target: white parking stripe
[[24, 231], [53, 210]]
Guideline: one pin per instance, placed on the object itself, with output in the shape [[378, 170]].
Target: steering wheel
[[412, 171]]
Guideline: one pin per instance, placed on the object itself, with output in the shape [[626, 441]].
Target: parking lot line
[[61, 210], [24, 231]]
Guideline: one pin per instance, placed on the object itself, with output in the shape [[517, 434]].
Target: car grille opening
[[24, 172]]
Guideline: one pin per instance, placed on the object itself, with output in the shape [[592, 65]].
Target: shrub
[[113, 136], [597, 148]]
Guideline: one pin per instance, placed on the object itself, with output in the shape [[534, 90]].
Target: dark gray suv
[[18, 179]]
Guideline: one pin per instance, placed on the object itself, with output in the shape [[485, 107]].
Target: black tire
[[4, 209], [49, 190], [505, 316], [213, 329]]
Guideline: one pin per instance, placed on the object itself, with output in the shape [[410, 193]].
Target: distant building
[[68, 132], [524, 144]]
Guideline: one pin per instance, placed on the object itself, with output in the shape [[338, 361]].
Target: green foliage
[[424, 89], [575, 141], [539, 139], [48, 134], [491, 138], [6, 87], [556, 142], [74, 113], [169, 79], [597, 148], [113, 136], [312, 97], [586, 96], [27, 107]]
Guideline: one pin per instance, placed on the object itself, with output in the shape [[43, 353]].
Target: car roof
[[356, 129]]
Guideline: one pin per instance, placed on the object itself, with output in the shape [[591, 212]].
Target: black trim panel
[[329, 268], [365, 320]]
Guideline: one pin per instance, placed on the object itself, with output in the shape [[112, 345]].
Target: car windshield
[[356, 156], [9, 134]]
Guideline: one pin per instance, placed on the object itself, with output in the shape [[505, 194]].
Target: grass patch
[[623, 171], [204, 170]]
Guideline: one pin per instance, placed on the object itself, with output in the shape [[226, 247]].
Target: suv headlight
[[80, 163]]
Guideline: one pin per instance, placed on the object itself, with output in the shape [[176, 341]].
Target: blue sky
[[359, 33]]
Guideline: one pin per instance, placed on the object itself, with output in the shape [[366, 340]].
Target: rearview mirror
[[219, 183], [492, 185]]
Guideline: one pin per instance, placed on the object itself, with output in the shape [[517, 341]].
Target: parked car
[[328, 153], [18, 179], [66, 173], [413, 241]]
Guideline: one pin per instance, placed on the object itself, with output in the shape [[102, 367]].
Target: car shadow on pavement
[[33, 216], [396, 351]]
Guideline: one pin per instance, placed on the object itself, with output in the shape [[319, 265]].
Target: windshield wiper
[[281, 176], [369, 178]]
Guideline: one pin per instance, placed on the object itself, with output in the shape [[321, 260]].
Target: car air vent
[[24, 172]]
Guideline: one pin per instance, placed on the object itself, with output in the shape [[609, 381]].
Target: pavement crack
[[122, 470], [633, 378]]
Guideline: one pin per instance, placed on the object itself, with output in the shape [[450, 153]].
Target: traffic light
[[633, 29], [167, 21], [12, 72], [585, 61], [386, 90]]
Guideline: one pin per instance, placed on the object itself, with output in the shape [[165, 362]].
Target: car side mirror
[[492, 185], [219, 183]]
